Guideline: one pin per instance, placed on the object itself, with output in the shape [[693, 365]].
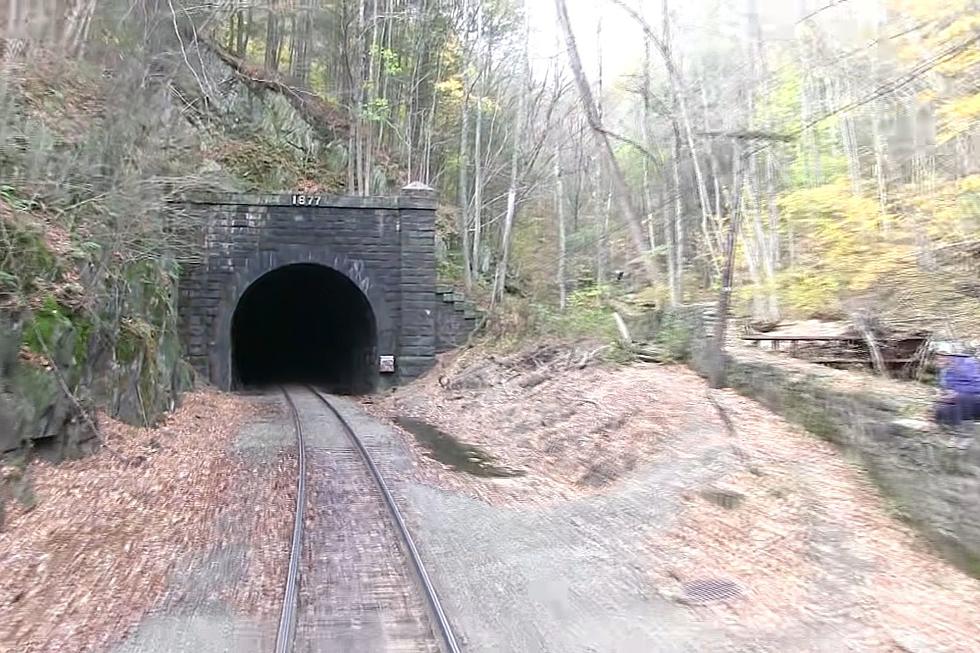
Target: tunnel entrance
[[305, 323]]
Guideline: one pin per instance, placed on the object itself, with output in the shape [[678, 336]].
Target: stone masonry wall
[[385, 245], [883, 423], [456, 319]]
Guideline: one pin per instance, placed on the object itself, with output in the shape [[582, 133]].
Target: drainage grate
[[724, 498], [709, 590]]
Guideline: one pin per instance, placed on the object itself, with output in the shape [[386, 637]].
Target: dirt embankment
[[573, 424], [801, 529], [99, 539]]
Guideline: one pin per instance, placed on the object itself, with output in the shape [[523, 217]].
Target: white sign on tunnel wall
[[387, 364], [306, 200]]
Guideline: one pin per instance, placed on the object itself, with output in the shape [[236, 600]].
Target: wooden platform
[[850, 350]]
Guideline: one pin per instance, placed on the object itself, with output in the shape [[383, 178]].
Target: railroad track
[[355, 580]]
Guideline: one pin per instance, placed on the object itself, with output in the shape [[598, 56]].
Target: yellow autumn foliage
[[944, 26], [949, 213], [847, 249], [846, 246], [958, 116]]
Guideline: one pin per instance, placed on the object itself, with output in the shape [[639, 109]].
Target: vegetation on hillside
[[838, 139]]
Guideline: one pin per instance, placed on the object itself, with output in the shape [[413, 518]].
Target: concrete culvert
[[305, 323]]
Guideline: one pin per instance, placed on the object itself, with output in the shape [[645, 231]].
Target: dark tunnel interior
[[305, 324]]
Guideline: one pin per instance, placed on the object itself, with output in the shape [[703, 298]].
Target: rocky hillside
[[91, 243]]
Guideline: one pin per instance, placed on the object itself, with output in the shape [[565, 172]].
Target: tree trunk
[[671, 240], [600, 205], [478, 146], [878, 141], [560, 209], [717, 362], [76, 26], [247, 28], [238, 32], [849, 138], [430, 127], [678, 216], [766, 230], [712, 162], [464, 214], [753, 259], [645, 136], [371, 77], [615, 173], [272, 37], [761, 243], [515, 158], [680, 112]]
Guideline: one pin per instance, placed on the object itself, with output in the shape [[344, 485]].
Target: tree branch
[[751, 135], [632, 143]]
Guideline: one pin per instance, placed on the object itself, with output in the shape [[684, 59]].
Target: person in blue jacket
[[959, 383]]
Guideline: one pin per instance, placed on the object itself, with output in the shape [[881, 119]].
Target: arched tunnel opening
[[305, 323]]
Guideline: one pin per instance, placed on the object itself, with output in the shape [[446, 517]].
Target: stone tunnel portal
[[305, 323]]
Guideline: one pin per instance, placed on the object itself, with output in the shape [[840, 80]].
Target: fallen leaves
[[82, 568], [788, 519], [574, 430]]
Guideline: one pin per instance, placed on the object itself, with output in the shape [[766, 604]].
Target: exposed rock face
[[52, 361], [930, 484], [33, 407]]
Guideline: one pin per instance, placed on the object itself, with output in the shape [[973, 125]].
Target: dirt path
[[640, 523], [636, 495]]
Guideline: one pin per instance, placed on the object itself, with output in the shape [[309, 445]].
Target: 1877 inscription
[[306, 200]]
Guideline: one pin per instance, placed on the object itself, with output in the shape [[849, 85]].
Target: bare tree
[[562, 237], [716, 353], [618, 181], [463, 184], [478, 181]]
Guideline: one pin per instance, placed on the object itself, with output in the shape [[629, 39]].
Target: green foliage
[[377, 110], [390, 61], [783, 109], [950, 211], [84, 328], [49, 326], [450, 270], [956, 22], [28, 259], [809, 292], [958, 116], [47, 323], [9, 282], [674, 337], [587, 314], [11, 197]]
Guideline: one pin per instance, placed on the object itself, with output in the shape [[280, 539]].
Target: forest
[[817, 158], [625, 191]]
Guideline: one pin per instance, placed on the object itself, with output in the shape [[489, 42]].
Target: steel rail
[[445, 629], [290, 599]]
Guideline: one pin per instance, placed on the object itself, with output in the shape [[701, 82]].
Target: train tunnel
[[305, 323]]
